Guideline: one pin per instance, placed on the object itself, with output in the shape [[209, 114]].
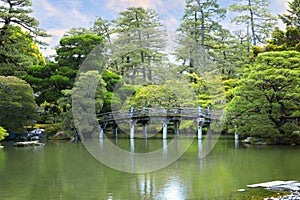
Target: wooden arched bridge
[[166, 116]]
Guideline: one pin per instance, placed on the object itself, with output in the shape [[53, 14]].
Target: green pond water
[[65, 170]]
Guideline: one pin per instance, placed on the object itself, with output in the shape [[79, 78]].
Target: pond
[[65, 170]]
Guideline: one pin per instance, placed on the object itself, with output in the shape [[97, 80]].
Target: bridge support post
[[209, 133], [165, 130], [132, 125], [131, 130], [132, 145], [115, 131], [165, 147], [199, 132], [236, 136], [101, 132], [145, 130]]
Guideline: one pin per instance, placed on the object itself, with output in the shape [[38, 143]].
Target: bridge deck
[[159, 114]]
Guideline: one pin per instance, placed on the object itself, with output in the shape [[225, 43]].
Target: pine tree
[[255, 15], [266, 99], [102, 28], [17, 13], [293, 18], [18, 37], [228, 53], [17, 105], [139, 43], [200, 22], [18, 52]]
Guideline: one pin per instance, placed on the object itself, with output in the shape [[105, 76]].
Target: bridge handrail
[[181, 111]]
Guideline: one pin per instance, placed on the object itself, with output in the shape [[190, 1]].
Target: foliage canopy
[[17, 104], [267, 98]]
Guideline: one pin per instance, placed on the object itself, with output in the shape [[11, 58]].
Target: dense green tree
[[139, 45], [180, 93], [66, 117], [102, 28], [280, 41], [18, 52], [3, 133], [45, 82], [289, 39], [18, 48], [200, 22], [266, 99], [292, 19], [17, 105], [204, 47], [208, 90], [47, 86], [49, 113], [17, 13], [53, 82], [77, 32], [81, 91], [49, 80], [200, 19], [284, 40], [112, 98], [71, 53], [228, 56], [169, 94], [255, 15], [87, 100], [73, 50], [228, 53]]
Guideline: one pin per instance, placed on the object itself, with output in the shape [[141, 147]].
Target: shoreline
[[261, 142]]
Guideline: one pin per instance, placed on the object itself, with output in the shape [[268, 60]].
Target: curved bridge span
[[165, 116]]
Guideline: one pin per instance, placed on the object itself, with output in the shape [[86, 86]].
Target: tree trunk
[[202, 41], [252, 23], [144, 67]]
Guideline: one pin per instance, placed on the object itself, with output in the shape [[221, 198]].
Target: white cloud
[[56, 35], [167, 9], [286, 3], [280, 6], [75, 3], [120, 5], [45, 7], [57, 32], [59, 14], [57, 17], [171, 22], [77, 16]]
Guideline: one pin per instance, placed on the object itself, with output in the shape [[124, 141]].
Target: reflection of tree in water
[[2, 159]]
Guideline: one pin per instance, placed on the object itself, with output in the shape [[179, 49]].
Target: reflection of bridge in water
[[165, 116]]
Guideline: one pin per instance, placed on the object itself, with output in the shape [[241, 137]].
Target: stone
[[61, 136], [29, 143], [272, 184]]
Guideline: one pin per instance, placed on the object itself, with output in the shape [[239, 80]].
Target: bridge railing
[[135, 113]]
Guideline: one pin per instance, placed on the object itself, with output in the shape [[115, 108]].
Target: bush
[[3, 133], [289, 128], [52, 130]]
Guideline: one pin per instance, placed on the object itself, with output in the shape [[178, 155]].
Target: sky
[[58, 16]]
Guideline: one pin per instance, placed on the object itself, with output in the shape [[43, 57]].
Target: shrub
[[52, 130]]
